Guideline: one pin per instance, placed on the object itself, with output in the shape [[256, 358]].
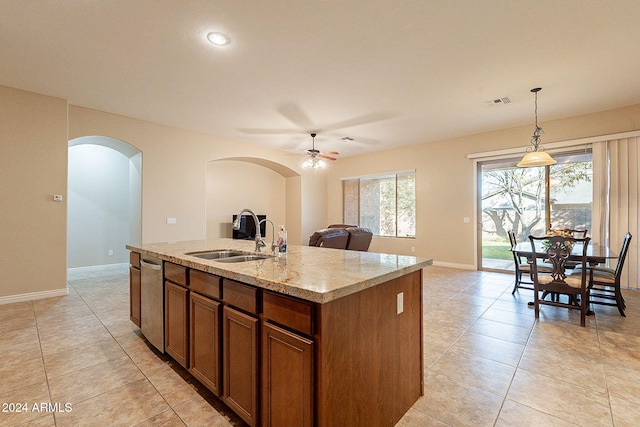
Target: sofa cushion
[[336, 238], [359, 238]]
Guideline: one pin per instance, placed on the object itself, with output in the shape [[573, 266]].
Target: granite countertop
[[314, 274]]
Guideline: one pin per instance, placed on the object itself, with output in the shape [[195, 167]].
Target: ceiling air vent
[[498, 102]]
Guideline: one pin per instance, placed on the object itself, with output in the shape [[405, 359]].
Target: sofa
[[342, 236]]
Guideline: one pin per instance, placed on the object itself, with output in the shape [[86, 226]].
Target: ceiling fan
[[303, 123], [316, 158]]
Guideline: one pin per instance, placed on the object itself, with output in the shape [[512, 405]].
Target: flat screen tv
[[247, 229]]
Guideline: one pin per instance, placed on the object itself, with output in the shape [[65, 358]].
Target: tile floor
[[487, 362]]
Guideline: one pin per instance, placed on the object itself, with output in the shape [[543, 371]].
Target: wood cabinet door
[[204, 339], [287, 378], [240, 363], [176, 322], [134, 295]]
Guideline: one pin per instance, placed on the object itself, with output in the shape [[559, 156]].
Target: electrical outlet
[[400, 303], [57, 197], [110, 252], [466, 220], [171, 220]]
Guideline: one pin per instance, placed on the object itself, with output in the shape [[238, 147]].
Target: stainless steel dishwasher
[[152, 301]]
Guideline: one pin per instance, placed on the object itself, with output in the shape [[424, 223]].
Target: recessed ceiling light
[[219, 39]]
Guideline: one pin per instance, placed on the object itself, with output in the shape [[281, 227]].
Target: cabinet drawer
[[134, 260], [241, 296], [176, 273], [204, 283], [289, 312]]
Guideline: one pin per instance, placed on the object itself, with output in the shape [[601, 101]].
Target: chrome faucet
[[274, 245], [259, 241]]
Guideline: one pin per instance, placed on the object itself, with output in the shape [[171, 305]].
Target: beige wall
[[35, 131], [445, 181], [314, 203], [174, 168], [33, 167], [234, 185]]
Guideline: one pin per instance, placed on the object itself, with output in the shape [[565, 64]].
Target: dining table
[[596, 254]]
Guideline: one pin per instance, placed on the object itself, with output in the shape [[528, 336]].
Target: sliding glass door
[[529, 201]]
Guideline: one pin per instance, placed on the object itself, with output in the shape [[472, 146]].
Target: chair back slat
[[514, 242], [623, 254]]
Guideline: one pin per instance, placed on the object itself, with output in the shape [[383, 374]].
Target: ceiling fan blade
[[360, 120], [322, 156], [258, 131], [296, 116], [331, 153]]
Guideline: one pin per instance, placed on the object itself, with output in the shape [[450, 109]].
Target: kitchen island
[[317, 337]]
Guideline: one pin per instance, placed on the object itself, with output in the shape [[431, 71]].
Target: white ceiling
[[385, 73]]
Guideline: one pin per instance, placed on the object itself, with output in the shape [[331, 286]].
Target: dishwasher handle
[[150, 264]]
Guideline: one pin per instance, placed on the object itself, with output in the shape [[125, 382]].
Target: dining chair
[[569, 232], [578, 234], [604, 283], [522, 267], [555, 251]]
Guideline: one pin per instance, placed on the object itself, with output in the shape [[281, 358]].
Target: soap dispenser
[[282, 241]]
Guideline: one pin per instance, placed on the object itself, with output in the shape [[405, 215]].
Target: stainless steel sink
[[242, 258], [227, 255], [217, 254]]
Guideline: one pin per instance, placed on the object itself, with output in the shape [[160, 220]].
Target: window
[[514, 198], [386, 204]]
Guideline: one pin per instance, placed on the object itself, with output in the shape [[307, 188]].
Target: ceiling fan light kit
[[536, 156], [314, 163], [317, 159]]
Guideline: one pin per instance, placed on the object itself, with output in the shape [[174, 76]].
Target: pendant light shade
[[536, 156]]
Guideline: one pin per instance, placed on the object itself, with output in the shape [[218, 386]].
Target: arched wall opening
[[266, 187], [104, 199]]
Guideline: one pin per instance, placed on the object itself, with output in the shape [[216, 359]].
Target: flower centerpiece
[[564, 245]]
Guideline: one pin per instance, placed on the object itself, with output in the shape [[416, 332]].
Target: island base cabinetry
[[176, 322], [369, 355], [287, 378], [204, 339], [134, 288], [240, 365], [277, 360]]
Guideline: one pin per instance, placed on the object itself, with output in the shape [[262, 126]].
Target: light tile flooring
[[487, 362]]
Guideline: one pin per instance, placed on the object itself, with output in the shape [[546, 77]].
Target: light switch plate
[[400, 302]]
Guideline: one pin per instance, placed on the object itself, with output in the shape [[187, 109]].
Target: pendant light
[[536, 156]]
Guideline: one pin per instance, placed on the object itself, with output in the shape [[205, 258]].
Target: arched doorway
[[268, 187], [104, 200]]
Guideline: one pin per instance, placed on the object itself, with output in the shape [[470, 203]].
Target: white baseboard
[[101, 267], [455, 265], [34, 296]]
